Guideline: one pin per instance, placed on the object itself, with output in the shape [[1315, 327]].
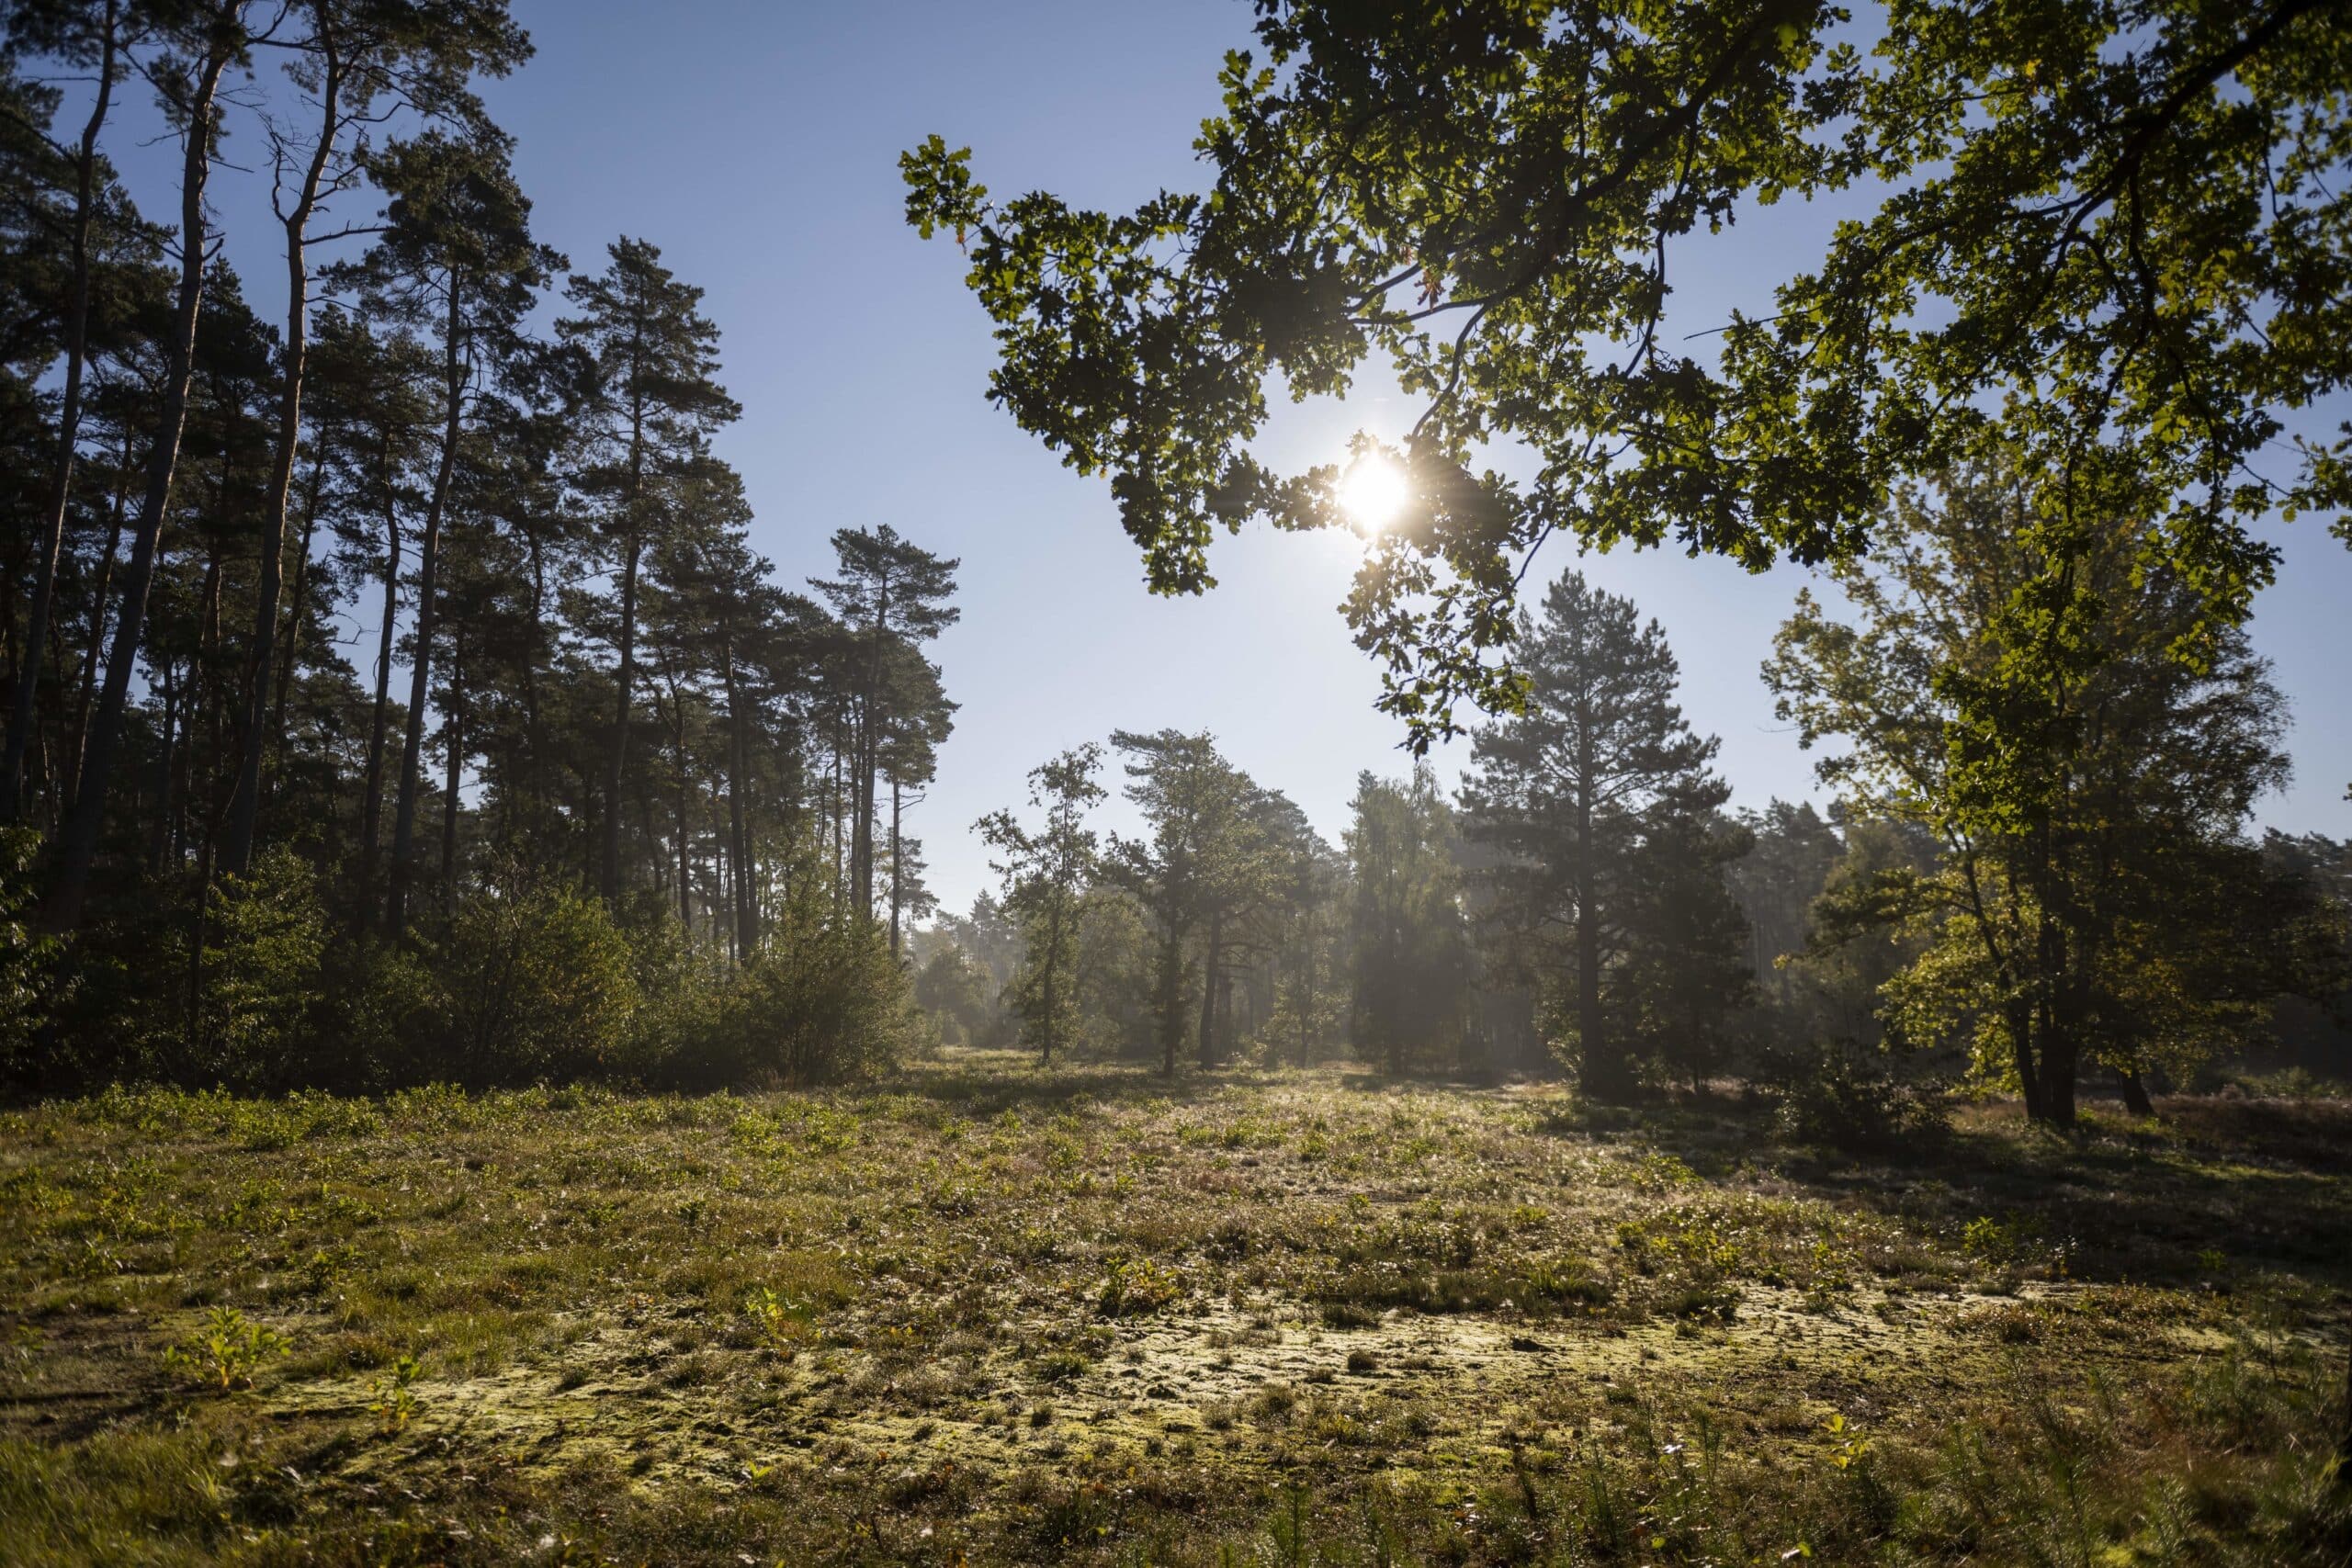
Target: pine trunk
[[69, 431], [78, 839]]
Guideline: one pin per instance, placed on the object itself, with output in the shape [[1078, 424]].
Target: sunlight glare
[[1374, 491]]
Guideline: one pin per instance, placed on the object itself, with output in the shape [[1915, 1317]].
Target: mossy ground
[[986, 1314]]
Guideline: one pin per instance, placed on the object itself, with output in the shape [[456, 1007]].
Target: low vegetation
[[983, 1312]]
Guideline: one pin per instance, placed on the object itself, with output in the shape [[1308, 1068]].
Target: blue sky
[[757, 145]]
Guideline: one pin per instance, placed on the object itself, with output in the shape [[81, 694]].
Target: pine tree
[[889, 590], [354, 63], [1573, 790], [653, 402], [205, 40], [458, 261]]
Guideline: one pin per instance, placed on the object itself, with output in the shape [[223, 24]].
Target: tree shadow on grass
[[2209, 1191]]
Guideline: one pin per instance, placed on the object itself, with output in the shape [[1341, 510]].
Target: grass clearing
[[986, 1314]]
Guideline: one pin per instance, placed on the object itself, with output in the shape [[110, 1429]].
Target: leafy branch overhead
[[2093, 223]]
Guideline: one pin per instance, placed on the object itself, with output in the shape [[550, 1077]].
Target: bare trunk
[[371, 798], [633, 524], [737, 836], [245, 803], [78, 839], [294, 599], [453, 740], [421, 669], [69, 430], [2136, 1093], [90, 655], [1214, 955]]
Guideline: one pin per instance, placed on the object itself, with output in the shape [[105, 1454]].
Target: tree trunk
[[2136, 1093], [371, 798], [1597, 1073], [294, 599], [78, 839], [421, 668], [76, 745], [869, 752], [159, 854], [453, 741], [1215, 955], [897, 887], [69, 432], [1170, 1000], [737, 836], [633, 527], [245, 802], [2058, 1063]]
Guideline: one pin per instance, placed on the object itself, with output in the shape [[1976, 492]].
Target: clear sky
[[757, 144]]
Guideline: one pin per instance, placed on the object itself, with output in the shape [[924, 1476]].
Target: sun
[[1374, 491]]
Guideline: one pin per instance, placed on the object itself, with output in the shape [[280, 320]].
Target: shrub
[[821, 1001], [26, 958], [1843, 1100], [535, 982], [230, 998], [226, 1351]]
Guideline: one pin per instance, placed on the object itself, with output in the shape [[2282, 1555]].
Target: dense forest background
[[595, 794]]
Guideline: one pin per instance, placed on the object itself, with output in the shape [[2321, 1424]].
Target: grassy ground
[[985, 1313]]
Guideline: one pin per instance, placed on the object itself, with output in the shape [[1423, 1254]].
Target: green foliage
[[393, 1396], [2013, 688], [28, 958], [784, 1324], [1597, 810], [226, 1352], [822, 1000], [1841, 1096], [1410, 959], [1137, 1287], [232, 994], [956, 990], [1045, 872], [2107, 221], [535, 982]]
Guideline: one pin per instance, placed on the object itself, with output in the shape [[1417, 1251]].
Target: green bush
[[227, 992], [1843, 1099], [821, 1001], [535, 982], [28, 960]]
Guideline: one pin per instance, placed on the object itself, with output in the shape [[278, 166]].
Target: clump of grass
[[782, 1324], [1133, 1288]]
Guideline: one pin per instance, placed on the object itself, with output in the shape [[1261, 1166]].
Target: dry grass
[[986, 1314]]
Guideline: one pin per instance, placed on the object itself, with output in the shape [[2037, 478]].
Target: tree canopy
[[2099, 222]]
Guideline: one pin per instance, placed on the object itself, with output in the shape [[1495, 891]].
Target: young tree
[[2012, 684], [1045, 873], [1496, 205], [1411, 962], [1576, 791], [1208, 860], [655, 402]]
